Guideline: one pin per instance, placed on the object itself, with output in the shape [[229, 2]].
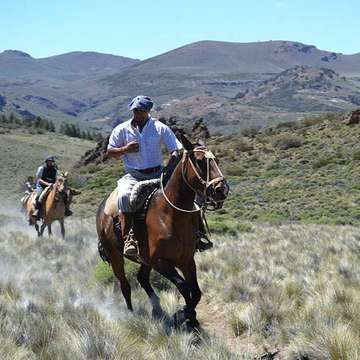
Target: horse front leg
[[189, 271], [49, 230], [143, 277], [62, 228], [169, 271], [42, 228], [37, 228]]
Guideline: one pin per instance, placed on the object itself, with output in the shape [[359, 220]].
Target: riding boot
[[203, 245], [130, 243]]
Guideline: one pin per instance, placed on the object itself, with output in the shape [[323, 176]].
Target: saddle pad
[[111, 205], [139, 194]]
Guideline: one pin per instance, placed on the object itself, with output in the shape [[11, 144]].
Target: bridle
[[208, 184]]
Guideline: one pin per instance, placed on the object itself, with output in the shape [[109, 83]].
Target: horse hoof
[[179, 318], [192, 325], [157, 314]]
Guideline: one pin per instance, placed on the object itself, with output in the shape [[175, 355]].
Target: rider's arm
[[116, 146]]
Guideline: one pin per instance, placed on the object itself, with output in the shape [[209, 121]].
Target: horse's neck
[[178, 192], [52, 194]]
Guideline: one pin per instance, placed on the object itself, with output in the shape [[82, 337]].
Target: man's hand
[[131, 147]]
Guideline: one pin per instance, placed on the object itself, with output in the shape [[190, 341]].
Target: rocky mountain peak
[[16, 53]]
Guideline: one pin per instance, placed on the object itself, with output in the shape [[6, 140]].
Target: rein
[[208, 156], [173, 205]]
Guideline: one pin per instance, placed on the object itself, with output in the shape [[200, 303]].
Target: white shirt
[[153, 135]]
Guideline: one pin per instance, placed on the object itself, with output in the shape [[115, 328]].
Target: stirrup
[[203, 245], [130, 245]]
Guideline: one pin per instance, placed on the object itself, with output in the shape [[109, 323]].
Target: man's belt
[[149, 170]]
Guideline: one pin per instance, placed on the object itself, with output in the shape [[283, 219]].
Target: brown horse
[[53, 207], [167, 241]]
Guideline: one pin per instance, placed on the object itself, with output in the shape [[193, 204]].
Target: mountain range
[[228, 84]]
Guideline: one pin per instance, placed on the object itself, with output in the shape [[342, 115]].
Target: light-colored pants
[[126, 184]]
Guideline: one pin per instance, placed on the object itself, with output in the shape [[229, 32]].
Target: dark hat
[[141, 102], [50, 158]]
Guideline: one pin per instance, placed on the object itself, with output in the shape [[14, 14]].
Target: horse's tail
[[100, 231]]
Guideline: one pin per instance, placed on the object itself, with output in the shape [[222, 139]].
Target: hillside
[[94, 89], [303, 171], [286, 96], [216, 57], [59, 87]]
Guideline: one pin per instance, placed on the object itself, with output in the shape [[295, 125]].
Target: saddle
[[139, 198]]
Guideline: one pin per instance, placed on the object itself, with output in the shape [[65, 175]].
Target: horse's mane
[[170, 167]]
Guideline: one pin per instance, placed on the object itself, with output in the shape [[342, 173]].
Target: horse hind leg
[[143, 277], [117, 264], [114, 254]]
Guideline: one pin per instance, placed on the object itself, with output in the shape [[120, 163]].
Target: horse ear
[[186, 143], [65, 174]]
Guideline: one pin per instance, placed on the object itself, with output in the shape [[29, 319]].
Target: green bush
[[286, 142], [323, 161], [356, 155]]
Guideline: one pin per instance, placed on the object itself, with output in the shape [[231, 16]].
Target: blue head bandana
[[141, 102]]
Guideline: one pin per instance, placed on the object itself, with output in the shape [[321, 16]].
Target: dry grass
[[294, 288], [50, 307]]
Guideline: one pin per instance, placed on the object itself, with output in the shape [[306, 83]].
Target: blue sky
[[141, 29]]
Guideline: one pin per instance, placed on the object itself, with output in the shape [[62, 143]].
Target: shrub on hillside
[[286, 142], [356, 155], [235, 170], [250, 132], [323, 161], [242, 145], [287, 125]]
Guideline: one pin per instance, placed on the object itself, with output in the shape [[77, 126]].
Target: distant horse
[[167, 239], [53, 207]]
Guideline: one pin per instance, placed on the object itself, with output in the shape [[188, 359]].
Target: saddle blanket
[[140, 192]]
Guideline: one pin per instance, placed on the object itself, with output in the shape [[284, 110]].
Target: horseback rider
[[46, 175], [139, 141]]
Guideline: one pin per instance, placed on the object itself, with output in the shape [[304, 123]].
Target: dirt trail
[[214, 322], [212, 319]]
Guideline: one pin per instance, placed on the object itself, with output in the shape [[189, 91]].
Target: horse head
[[201, 172], [60, 186]]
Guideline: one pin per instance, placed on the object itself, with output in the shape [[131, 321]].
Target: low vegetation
[[300, 173], [290, 288], [39, 125]]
